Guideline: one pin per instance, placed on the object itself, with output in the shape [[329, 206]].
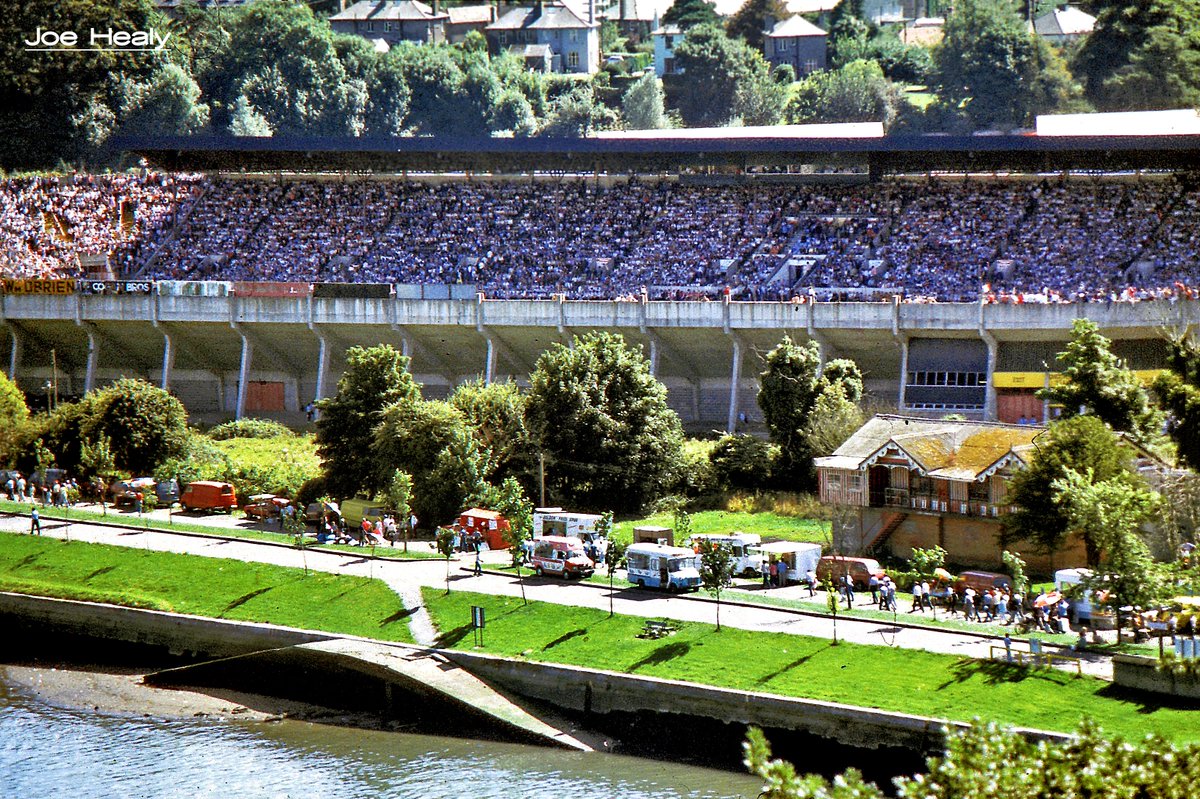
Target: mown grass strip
[[902, 680], [771, 526], [201, 586], [417, 550]]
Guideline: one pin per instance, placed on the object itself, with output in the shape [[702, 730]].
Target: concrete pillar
[[696, 400], [653, 356], [1046, 402], [489, 368], [903, 368], [243, 375], [989, 396], [735, 378], [322, 368], [168, 361], [89, 382], [14, 353], [291, 394]]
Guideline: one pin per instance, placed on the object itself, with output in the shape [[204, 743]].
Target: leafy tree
[[430, 439], [614, 558], [994, 70], [375, 378], [716, 570], [1082, 444], [985, 756], [387, 96], [144, 424], [603, 422], [749, 21], [858, 92], [926, 561], [849, 33], [611, 40], [902, 63], [445, 545], [1178, 391], [286, 62], [724, 80], [642, 106], [440, 101], [495, 415], [834, 419], [513, 112], [683, 526], [1016, 568], [14, 414], [167, 105], [1109, 514], [399, 499], [1143, 56], [246, 120], [686, 14], [577, 113], [789, 389], [741, 461], [1098, 384]]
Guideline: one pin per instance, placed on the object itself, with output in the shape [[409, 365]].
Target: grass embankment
[[771, 526], [213, 587], [903, 680]]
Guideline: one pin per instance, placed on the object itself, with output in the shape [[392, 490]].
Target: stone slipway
[[402, 681]]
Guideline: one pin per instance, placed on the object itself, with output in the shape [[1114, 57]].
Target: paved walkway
[[406, 578]]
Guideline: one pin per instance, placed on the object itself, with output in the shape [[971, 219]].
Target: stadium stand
[[1019, 239]]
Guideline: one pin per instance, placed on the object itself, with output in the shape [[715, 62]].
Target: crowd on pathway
[[998, 240]]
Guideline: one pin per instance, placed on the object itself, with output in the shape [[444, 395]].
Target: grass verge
[[771, 526], [902, 680], [201, 586]]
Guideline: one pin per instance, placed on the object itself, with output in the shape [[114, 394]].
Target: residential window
[[810, 65], [781, 45], [573, 59], [574, 35], [503, 38], [669, 41], [371, 26], [387, 27]]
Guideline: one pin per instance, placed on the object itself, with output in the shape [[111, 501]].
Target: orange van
[[209, 495], [860, 570]]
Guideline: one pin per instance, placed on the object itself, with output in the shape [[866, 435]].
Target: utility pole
[[542, 479]]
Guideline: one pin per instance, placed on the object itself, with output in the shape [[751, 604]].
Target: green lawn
[[901, 680], [218, 588], [771, 526]]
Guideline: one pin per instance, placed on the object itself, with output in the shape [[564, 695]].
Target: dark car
[[167, 491], [265, 506], [48, 478], [124, 492]]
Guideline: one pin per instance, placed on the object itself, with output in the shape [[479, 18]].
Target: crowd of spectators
[[53, 226], [941, 239]]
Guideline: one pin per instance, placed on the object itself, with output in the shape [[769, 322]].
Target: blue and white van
[[661, 566], [744, 560]]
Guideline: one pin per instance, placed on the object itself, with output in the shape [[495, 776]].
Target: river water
[[48, 751]]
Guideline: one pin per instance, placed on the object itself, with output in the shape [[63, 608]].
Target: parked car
[[265, 506], [50, 477], [860, 570], [124, 492], [167, 491], [982, 581], [209, 495]]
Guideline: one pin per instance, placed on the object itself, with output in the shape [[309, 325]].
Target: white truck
[[800, 558], [745, 561], [558, 522]]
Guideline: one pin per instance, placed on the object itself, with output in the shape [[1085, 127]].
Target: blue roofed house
[[798, 42], [389, 22], [552, 32]]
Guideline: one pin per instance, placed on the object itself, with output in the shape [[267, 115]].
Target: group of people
[[55, 493], [1001, 240]]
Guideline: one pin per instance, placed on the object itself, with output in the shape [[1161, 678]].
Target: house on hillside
[[464, 19], [392, 21], [901, 482], [572, 37], [797, 42], [665, 40], [1064, 25]]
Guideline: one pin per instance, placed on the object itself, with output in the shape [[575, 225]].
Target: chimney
[[435, 7], [591, 12], [624, 10]]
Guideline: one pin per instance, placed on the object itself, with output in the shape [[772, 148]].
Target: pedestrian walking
[[478, 562], [811, 578], [766, 574], [848, 582], [917, 602], [35, 521], [873, 585]]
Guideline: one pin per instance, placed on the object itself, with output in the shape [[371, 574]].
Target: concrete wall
[[1143, 674]]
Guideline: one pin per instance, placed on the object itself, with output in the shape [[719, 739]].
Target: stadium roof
[[656, 152]]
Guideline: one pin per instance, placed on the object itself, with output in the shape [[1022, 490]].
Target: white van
[[1068, 581], [558, 522], [745, 561], [554, 554], [800, 558], [660, 566]]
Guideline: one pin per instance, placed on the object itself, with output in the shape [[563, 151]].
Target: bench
[[655, 630]]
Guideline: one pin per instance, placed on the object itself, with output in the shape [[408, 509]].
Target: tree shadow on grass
[[25, 561], [800, 661], [565, 637], [100, 571], [400, 615], [663, 654], [246, 598], [452, 637], [1147, 702], [996, 672]]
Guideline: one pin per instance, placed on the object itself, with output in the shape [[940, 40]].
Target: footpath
[[408, 577]]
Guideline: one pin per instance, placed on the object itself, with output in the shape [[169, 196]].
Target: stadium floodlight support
[[322, 364], [168, 356]]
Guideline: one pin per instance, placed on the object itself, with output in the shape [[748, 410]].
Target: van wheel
[[671, 588], [538, 571], [641, 583]]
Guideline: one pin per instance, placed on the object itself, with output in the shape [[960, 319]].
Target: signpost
[[477, 624]]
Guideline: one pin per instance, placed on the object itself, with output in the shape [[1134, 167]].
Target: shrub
[[249, 428], [311, 490], [742, 461]]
